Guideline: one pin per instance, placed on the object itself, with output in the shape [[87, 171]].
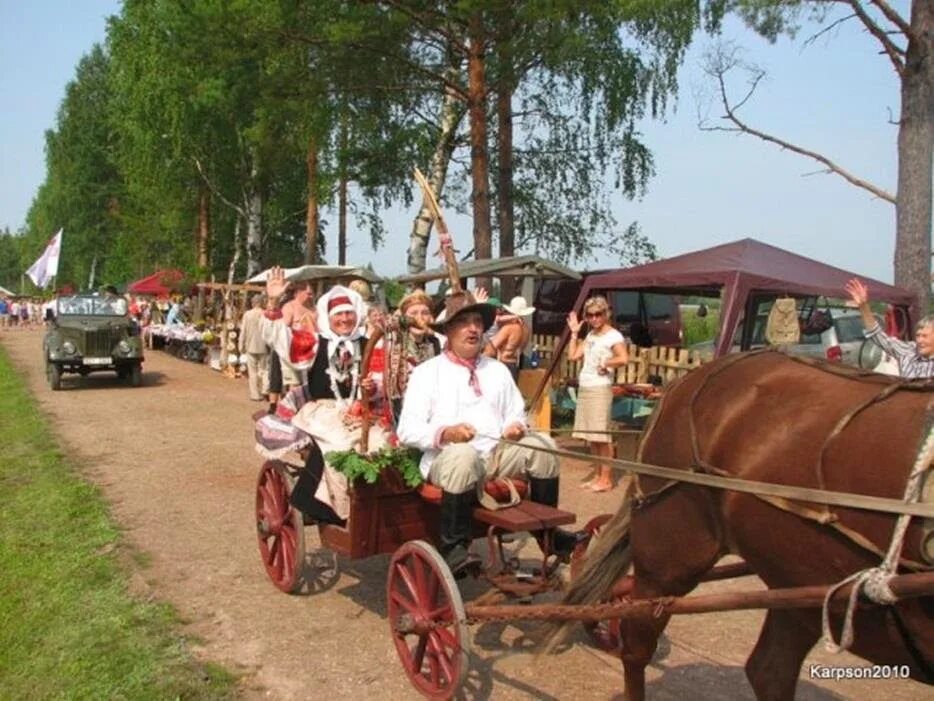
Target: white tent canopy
[[6, 293], [322, 272]]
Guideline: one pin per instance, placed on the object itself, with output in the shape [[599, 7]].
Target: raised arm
[[575, 347], [859, 294]]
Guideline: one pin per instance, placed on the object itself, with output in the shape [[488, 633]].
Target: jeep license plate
[[97, 361]]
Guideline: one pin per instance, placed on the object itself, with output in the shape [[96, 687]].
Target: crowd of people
[[444, 384], [22, 312], [475, 428]]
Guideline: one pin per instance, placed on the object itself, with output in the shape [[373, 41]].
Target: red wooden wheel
[[603, 634], [280, 529], [426, 617]]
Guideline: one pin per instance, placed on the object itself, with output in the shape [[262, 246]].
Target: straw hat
[[463, 303]]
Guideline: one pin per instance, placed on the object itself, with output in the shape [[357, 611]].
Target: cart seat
[[525, 516], [495, 488]]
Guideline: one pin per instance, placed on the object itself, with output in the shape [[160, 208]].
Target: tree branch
[[810, 40], [718, 65], [215, 191], [895, 18], [429, 26], [894, 52]]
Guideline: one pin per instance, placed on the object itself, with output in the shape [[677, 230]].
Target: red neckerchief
[[303, 346], [471, 366]]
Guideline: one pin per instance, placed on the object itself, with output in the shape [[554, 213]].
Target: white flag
[[44, 269]]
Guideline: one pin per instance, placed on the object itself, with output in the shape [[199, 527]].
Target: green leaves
[[368, 467]]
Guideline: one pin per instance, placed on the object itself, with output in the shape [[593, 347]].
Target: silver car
[[842, 342]]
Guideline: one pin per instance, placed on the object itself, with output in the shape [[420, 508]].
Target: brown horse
[[768, 417]]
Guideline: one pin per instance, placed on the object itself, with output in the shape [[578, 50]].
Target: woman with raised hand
[[603, 350]]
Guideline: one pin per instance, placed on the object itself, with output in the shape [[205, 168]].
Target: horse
[[770, 417]]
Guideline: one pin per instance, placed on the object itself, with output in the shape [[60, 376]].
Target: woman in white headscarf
[[320, 416]]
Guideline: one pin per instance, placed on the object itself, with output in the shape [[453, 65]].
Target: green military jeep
[[91, 333]]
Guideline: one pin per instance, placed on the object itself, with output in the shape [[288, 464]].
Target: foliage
[[698, 329], [353, 465], [70, 627], [83, 190], [223, 103]]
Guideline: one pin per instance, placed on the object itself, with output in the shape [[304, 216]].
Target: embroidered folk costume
[[318, 416]]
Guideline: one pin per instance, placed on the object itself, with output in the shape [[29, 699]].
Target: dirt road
[[175, 458]]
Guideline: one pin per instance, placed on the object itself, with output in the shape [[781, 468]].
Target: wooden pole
[[444, 236], [904, 586]]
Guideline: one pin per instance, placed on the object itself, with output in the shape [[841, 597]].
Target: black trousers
[[275, 373], [303, 496]]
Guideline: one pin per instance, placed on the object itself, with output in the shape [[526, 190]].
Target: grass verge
[[69, 627]]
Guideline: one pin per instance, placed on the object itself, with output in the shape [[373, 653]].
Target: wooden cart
[[426, 612]]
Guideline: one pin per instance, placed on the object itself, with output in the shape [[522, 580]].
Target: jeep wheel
[[121, 372], [54, 373], [136, 375]]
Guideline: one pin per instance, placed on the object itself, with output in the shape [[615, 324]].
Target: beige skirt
[[593, 413]]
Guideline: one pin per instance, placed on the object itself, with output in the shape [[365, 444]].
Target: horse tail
[[608, 559]]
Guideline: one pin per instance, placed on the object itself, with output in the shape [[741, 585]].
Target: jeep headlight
[[68, 348], [123, 347]]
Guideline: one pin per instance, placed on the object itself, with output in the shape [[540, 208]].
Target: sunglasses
[[593, 315]]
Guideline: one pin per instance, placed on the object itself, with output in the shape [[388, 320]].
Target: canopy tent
[[322, 272], [160, 284], [530, 268], [6, 293], [511, 266], [742, 272]]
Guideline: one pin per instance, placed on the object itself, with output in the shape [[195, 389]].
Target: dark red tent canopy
[[160, 283], [739, 272]]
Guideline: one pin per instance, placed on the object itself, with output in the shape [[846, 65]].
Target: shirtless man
[[300, 310], [298, 314], [512, 334]]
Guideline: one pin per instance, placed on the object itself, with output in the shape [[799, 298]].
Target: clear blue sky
[[833, 96]]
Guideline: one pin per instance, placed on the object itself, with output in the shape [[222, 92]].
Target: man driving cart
[[457, 408]]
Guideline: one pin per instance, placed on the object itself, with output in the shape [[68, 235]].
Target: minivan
[[644, 318]]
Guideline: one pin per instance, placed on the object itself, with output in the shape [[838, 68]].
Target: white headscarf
[[324, 322]]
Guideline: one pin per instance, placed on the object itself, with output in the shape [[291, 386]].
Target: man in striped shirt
[[915, 359]]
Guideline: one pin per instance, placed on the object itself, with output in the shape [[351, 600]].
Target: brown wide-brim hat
[[463, 303]]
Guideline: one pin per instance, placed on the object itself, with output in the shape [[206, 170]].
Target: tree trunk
[[915, 139], [204, 230], [311, 214], [253, 205], [505, 210], [451, 115], [342, 196], [479, 156], [92, 274], [238, 251], [342, 220]]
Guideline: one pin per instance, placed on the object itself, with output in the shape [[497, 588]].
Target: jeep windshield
[[92, 306]]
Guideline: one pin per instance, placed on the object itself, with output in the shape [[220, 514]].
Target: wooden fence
[[660, 361]]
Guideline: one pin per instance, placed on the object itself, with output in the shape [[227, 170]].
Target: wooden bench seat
[[524, 516]]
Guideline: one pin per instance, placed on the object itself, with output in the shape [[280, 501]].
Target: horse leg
[[773, 666], [639, 638]]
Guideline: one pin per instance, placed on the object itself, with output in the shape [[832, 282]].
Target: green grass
[[69, 628], [697, 329]]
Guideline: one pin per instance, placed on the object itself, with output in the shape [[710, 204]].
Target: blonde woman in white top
[[603, 349]]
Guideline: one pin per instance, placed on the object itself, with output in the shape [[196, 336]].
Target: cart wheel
[[54, 373], [426, 617], [603, 634], [280, 530]]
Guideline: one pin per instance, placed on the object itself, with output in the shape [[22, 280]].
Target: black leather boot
[[456, 530], [545, 491]]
